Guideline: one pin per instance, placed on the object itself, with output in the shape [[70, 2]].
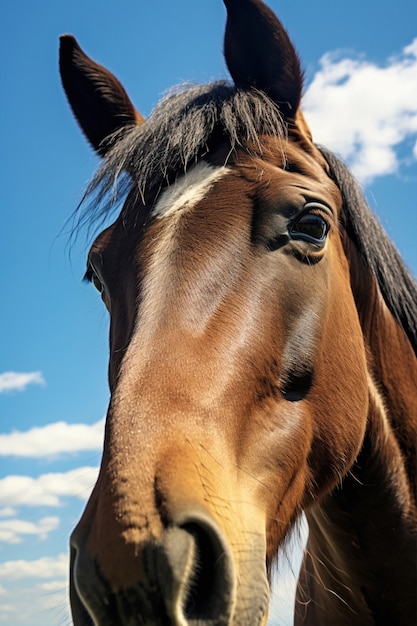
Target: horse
[[262, 357]]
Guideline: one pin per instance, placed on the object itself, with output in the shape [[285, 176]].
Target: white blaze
[[186, 192]]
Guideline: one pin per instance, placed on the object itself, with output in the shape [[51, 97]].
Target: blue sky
[[361, 100]]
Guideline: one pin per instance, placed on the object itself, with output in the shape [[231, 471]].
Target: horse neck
[[360, 565], [392, 367]]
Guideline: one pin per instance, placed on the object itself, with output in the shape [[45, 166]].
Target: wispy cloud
[[47, 489], [45, 567], [364, 112], [13, 530], [18, 381], [7, 511], [43, 583], [52, 440]]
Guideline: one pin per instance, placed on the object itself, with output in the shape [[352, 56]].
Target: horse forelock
[[184, 127]]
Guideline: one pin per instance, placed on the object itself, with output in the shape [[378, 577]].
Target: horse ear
[[259, 54], [97, 99]]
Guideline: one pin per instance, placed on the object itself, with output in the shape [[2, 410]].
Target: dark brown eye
[[310, 227]]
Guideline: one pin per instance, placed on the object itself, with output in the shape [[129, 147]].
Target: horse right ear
[[260, 55], [97, 99]]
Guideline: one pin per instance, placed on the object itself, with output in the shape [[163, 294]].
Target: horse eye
[[310, 227]]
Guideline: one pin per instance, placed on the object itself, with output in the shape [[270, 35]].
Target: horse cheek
[[340, 401]]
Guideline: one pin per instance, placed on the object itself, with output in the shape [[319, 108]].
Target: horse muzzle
[[187, 577]]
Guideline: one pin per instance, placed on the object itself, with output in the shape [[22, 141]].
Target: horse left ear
[[97, 99], [259, 54]]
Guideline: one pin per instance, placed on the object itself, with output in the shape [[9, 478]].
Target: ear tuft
[[260, 55], [98, 100]]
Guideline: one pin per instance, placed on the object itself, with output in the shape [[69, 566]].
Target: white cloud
[[18, 381], [33, 606], [43, 584], [47, 489], [54, 585], [285, 576], [281, 606], [7, 511], [4, 609], [363, 112], [52, 440], [13, 530], [46, 567]]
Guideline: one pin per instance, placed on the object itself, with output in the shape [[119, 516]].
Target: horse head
[[238, 368]]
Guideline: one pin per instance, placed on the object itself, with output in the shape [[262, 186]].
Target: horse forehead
[[262, 172], [188, 190]]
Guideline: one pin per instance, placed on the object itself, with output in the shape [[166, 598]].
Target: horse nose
[[189, 580], [205, 577]]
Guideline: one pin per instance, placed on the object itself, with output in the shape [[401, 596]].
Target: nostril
[[210, 585], [202, 581]]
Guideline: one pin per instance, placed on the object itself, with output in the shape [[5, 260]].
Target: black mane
[[379, 254], [182, 129]]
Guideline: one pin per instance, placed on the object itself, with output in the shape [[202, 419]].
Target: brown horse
[[262, 358]]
